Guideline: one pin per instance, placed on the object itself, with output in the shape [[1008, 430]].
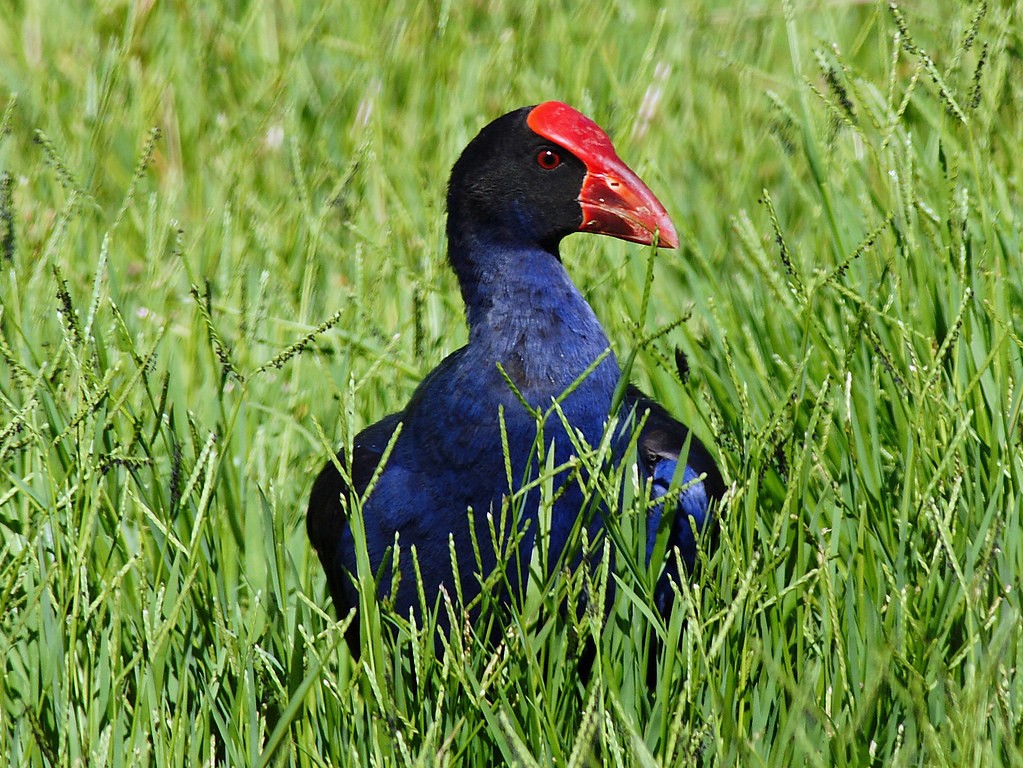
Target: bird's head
[[537, 174]]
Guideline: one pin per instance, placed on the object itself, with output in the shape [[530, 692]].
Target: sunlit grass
[[221, 242]]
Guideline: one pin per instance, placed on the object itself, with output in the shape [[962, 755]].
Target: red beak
[[614, 200]]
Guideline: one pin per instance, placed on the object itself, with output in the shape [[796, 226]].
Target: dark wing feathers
[[326, 519], [659, 448]]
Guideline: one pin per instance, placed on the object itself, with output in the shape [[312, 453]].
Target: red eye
[[548, 159]]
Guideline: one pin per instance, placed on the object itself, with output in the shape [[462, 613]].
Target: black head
[[513, 187], [539, 173]]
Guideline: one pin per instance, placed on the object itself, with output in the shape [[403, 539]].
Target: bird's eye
[[548, 159]]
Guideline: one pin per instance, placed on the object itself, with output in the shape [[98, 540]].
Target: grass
[[221, 239]]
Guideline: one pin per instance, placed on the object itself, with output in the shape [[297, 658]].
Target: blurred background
[[222, 253]]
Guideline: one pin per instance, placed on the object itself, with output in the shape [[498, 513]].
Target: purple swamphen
[[526, 181]]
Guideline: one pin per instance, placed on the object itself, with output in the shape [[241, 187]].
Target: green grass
[[189, 197]]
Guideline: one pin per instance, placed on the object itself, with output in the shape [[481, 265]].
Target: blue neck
[[524, 311]]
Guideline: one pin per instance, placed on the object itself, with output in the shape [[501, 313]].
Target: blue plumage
[[509, 205]]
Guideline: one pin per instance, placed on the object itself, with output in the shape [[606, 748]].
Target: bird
[[529, 179]]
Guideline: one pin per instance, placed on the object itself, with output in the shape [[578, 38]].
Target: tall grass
[[221, 241]]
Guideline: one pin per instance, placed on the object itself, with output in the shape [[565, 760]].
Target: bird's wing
[[326, 519]]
